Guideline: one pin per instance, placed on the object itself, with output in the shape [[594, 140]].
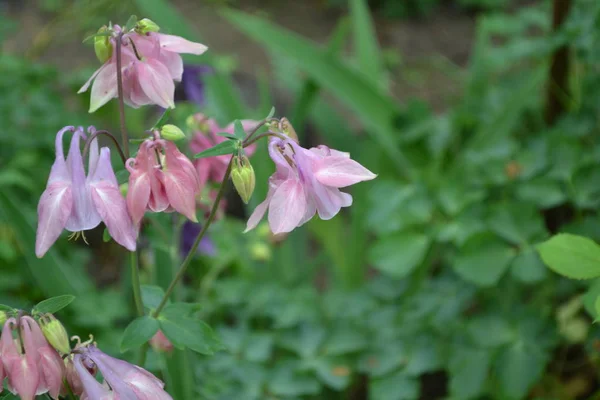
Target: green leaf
[[527, 267], [238, 130], [518, 367], [490, 331], [181, 309], [228, 135], [220, 149], [483, 259], [377, 110], [597, 307], [366, 48], [163, 119], [184, 331], [271, 113], [152, 296], [573, 256], [131, 22], [386, 257], [138, 332], [5, 308], [396, 386], [468, 372], [53, 304], [517, 223]]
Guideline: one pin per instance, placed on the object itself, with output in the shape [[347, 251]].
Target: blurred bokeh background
[[481, 118]]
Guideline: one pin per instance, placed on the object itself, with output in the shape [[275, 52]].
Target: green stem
[[186, 262], [124, 136], [135, 283]]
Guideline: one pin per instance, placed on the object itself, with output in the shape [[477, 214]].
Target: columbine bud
[[288, 129], [160, 343], [197, 122], [146, 25], [260, 251], [242, 175], [172, 133], [55, 333], [102, 46]]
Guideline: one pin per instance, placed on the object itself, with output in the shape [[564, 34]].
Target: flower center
[[76, 235]]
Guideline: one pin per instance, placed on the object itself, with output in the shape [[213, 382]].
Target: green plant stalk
[[135, 283], [188, 259]]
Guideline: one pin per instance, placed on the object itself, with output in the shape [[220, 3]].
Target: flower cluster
[[150, 62]]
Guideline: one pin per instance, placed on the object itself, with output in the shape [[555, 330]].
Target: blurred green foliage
[[427, 287]]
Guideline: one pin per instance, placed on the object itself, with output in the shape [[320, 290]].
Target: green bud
[[123, 188], [103, 46], [242, 175], [3, 318], [287, 129], [146, 25], [197, 122], [171, 132], [55, 333], [260, 251]]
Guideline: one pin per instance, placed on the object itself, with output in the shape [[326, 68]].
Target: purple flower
[[189, 233], [121, 379], [193, 82], [76, 202]]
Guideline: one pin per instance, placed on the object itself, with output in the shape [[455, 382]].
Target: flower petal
[[339, 171], [104, 87], [110, 204], [54, 209], [156, 82], [180, 45], [287, 207]]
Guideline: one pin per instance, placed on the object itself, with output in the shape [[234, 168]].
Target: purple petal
[[287, 207]]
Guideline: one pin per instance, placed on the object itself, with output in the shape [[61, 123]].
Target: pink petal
[[339, 171], [86, 85], [258, 213], [110, 204], [328, 200], [138, 195], [174, 64], [24, 378], [180, 192], [104, 87], [54, 209], [180, 45], [52, 369], [156, 82], [287, 206]]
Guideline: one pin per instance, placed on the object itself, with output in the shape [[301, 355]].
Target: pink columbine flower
[[306, 182], [121, 379], [32, 366], [161, 179], [149, 63], [78, 203], [214, 168]]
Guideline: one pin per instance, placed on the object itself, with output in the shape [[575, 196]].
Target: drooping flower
[[214, 168], [121, 379], [161, 179], [150, 63], [306, 181], [76, 202], [31, 365], [189, 233]]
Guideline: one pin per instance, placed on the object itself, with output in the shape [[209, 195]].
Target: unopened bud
[[123, 188], [55, 333], [3, 318], [287, 128], [146, 25], [197, 122], [160, 343], [242, 175], [171, 132], [260, 251], [103, 46]]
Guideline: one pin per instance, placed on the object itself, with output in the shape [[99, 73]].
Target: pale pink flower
[[149, 64], [214, 168], [121, 379], [32, 366], [77, 203], [161, 179], [306, 181]]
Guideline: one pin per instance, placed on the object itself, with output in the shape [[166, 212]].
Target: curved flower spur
[[76, 202]]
